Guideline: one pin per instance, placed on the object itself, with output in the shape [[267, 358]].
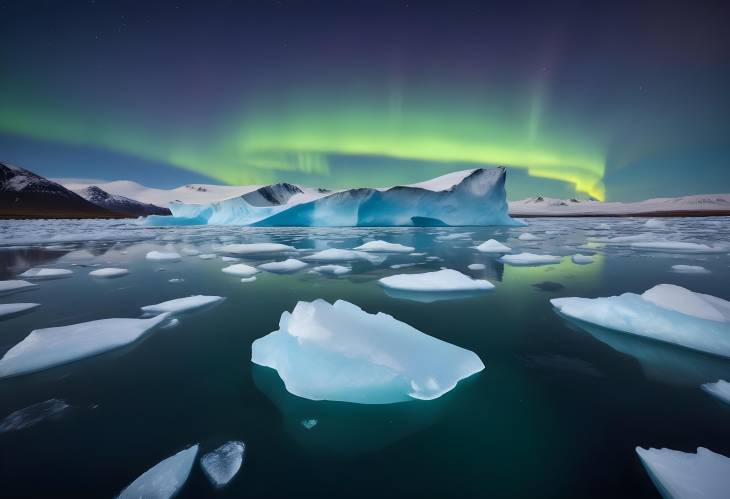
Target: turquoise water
[[557, 412]]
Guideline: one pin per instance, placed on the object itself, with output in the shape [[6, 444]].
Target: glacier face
[[478, 199]]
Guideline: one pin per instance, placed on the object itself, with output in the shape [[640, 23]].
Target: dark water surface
[[556, 413]]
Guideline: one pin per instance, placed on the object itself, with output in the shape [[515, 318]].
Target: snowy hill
[[23, 194], [120, 204]]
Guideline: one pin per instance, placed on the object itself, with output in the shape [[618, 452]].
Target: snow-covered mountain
[[120, 204], [23, 194], [698, 205]]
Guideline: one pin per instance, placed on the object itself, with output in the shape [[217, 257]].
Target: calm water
[[557, 412]]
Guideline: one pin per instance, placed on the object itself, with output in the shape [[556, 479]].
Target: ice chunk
[[32, 415], [248, 279], [221, 465], [176, 279], [439, 281], [581, 259], [180, 305], [530, 259], [9, 309], [240, 269], [288, 265], [665, 312], [653, 223], [256, 248], [190, 251], [676, 247], [689, 269], [230, 259], [343, 255], [341, 353], [164, 479], [13, 286], [477, 266], [109, 272], [162, 256], [455, 236], [384, 247], [526, 236], [43, 273], [207, 256], [309, 423], [683, 475], [720, 389], [332, 269], [493, 246], [49, 347]]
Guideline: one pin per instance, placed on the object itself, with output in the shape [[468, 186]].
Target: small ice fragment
[[9, 309], [248, 279], [493, 246], [207, 256], [13, 286], [161, 256], [288, 265], [190, 251], [676, 247], [342, 255], [222, 464], [477, 266], [230, 259], [581, 259], [526, 236], [530, 259], [653, 223], [384, 247], [163, 480], [309, 423], [33, 414], [440, 280], [455, 236], [176, 279], [332, 269], [179, 305], [689, 269], [256, 248], [240, 269], [43, 273], [109, 272]]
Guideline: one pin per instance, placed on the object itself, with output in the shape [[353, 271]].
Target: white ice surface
[[180, 305], [493, 246], [256, 248], [240, 269], [222, 464], [581, 259], [530, 259], [332, 269], [343, 255], [384, 247], [163, 480], [288, 265], [13, 285], [109, 272], [16, 308], [162, 256], [45, 273], [719, 389], [440, 280], [689, 269]]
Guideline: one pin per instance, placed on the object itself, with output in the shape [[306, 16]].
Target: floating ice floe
[[43, 273], [32, 415], [332, 269], [477, 266], [384, 247], [719, 389], [443, 280], [343, 255], [180, 305], [683, 475], [530, 259], [109, 272], [455, 236], [240, 269], [222, 464], [653, 223], [493, 246], [581, 259], [176, 279], [689, 269], [190, 251], [526, 236], [162, 256], [207, 256], [288, 265], [256, 248], [230, 259], [676, 247], [405, 265], [248, 279], [665, 312], [164, 479], [49, 347], [309, 423], [15, 285], [340, 352], [10, 309], [628, 240]]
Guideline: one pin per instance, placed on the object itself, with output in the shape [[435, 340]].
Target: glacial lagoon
[[557, 412]]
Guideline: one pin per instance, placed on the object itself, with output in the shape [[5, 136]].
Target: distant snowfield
[[680, 206]]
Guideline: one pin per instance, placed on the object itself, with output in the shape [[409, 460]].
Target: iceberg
[[332, 269], [343, 255], [240, 269], [443, 280], [384, 247], [164, 479], [665, 312], [341, 353], [43, 273], [288, 265], [719, 389], [180, 305], [689, 269], [162, 256], [13, 286], [477, 198], [33, 414], [581, 259], [109, 272], [493, 246], [683, 475], [255, 248], [530, 259], [12, 309], [221, 465], [49, 347]]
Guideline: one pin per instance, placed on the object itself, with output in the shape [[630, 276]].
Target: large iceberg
[[665, 312], [683, 475], [340, 352], [478, 198], [163, 480]]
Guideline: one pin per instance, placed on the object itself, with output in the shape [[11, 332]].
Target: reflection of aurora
[[268, 140]]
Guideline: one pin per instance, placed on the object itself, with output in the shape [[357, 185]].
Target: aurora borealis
[[616, 101]]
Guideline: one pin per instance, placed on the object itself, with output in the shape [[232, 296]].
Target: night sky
[[617, 100]]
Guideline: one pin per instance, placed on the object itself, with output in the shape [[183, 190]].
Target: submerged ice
[[340, 352]]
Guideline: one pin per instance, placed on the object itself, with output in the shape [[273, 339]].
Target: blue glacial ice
[[479, 198]]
